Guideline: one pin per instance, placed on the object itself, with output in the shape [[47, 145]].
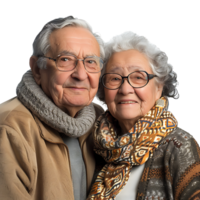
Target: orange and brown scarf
[[133, 148]]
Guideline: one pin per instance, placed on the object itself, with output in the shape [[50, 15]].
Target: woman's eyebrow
[[116, 68], [134, 67], [130, 68]]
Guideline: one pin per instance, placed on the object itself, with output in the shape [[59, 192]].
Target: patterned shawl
[[133, 148]]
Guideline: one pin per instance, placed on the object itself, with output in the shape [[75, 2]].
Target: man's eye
[[91, 61], [65, 59]]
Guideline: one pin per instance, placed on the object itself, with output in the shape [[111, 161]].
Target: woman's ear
[[159, 91], [35, 69]]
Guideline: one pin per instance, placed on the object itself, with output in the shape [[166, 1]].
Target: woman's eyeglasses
[[137, 79]]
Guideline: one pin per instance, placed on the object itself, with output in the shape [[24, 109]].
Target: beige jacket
[[34, 161]]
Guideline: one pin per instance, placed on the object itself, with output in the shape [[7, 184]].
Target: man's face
[[72, 90]]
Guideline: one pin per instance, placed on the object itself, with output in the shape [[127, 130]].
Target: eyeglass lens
[[67, 63], [136, 79]]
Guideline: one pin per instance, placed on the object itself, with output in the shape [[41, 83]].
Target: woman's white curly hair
[[157, 59]]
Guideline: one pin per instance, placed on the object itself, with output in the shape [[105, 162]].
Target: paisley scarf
[[133, 148]]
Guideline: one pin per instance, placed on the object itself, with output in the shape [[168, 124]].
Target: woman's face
[[128, 103]]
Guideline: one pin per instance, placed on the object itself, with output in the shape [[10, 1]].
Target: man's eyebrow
[[65, 52]]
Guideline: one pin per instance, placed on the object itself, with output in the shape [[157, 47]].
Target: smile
[[77, 88], [127, 102]]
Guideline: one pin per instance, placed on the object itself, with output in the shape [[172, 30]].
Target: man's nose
[[80, 72], [126, 88]]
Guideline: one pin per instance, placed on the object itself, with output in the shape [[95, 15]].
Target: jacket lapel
[[48, 133]]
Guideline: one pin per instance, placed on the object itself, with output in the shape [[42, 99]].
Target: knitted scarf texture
[[32, 96], [133, 148]]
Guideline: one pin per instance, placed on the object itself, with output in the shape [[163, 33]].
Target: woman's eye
[[115, 79], [138, 77]]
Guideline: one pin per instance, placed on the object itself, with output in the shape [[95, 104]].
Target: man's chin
[[72, 110], [78, 103], [73, 104]]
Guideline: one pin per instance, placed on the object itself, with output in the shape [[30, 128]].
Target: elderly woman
[[147, 156]]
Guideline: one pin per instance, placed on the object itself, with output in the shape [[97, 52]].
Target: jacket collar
[[49, 134]]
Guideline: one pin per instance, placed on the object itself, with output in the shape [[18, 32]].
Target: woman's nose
[[126, 88]]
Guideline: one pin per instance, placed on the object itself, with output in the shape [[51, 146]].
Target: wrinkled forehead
[[120, 69], [129, 60], [74, 39]]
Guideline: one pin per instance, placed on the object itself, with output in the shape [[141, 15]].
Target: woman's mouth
[[127, 102]]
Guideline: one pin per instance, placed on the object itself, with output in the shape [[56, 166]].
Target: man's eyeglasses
[[137, 79], [65, 63]]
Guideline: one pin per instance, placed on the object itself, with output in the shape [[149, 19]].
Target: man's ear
[[35, 69]]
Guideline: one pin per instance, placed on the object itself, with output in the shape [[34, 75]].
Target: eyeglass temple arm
[[49, 58], [151, 76]]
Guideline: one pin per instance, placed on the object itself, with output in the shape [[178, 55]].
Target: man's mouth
[[77, 88]]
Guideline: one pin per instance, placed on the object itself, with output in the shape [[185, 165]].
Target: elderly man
[[45, 149]]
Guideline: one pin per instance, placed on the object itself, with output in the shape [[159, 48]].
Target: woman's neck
[[126, 125]]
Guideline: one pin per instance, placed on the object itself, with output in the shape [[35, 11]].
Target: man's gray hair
[[157, 59], [41, 43]]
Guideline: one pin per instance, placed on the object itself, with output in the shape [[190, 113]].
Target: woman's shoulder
[[182, 143], [181, 155], [179, 136]]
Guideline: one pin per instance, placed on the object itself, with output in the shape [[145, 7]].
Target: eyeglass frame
[[55, 59], [149, 76]]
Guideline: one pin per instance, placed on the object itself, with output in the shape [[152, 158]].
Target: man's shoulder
[[17, 122], [13, 109], [16, 117]]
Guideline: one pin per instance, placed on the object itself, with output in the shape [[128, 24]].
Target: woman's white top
[[129, 191]]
